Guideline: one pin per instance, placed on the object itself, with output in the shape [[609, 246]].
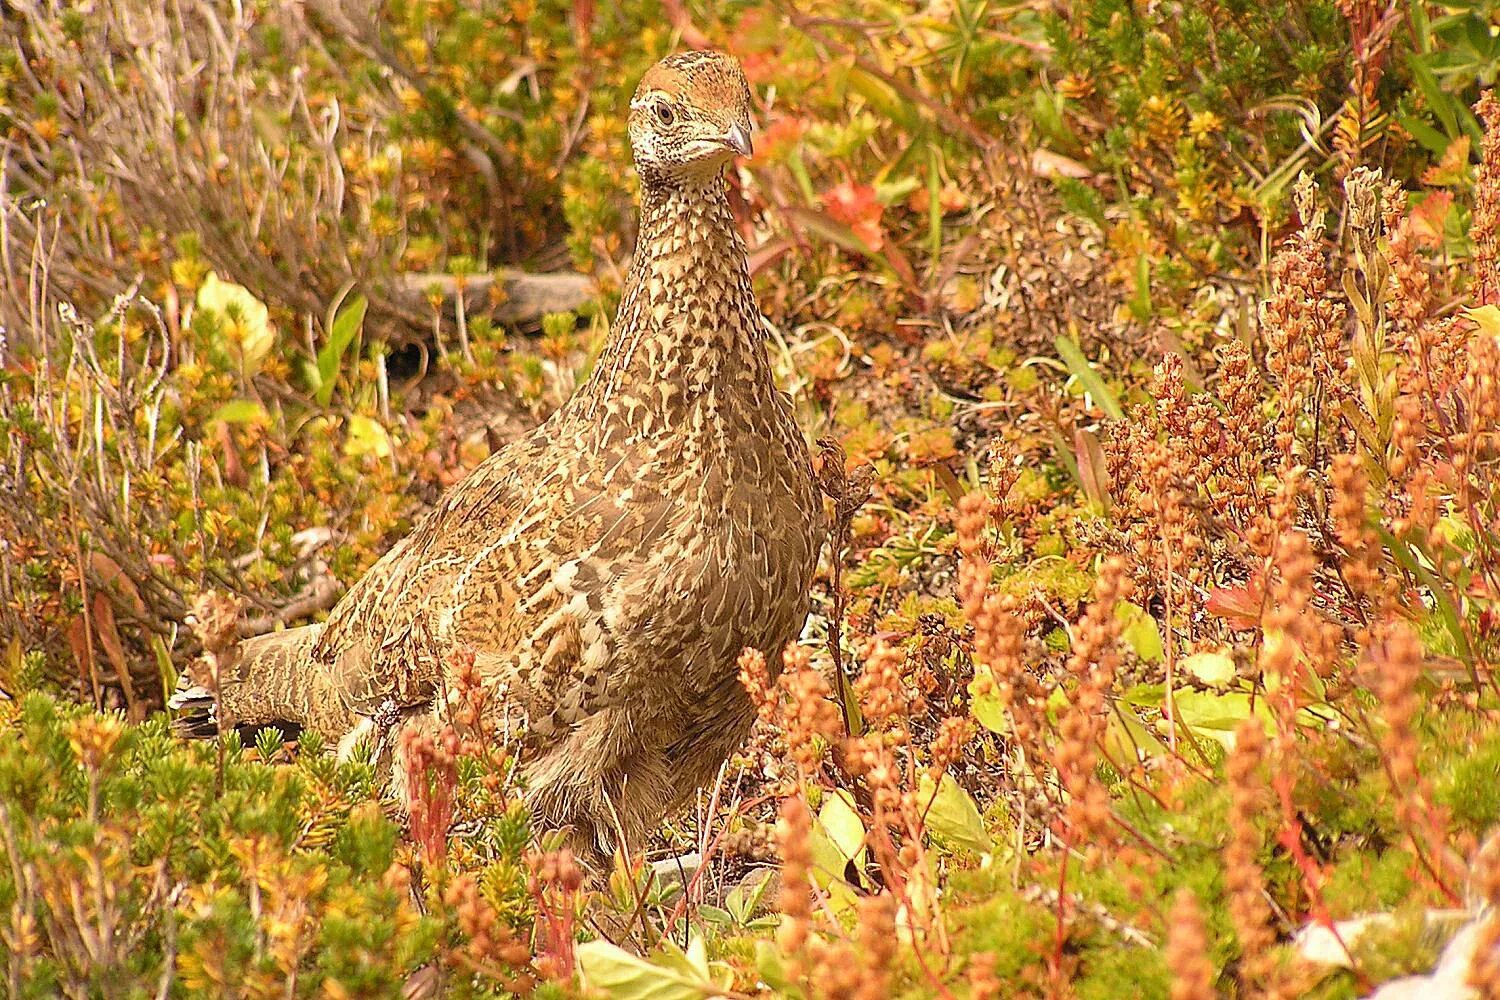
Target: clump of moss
[[1053, 576]]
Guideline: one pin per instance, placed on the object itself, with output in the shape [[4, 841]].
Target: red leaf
[[83, 654], [902, 266], [678, 15], [769, 252], [114, 650], [1453, 168], [1092, 471], [1241, 606], [855, 205], [1427, 219], [583, 22], [778, 137]]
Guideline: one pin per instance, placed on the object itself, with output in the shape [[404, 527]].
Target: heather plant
[[1155, 353], [299, 151], [142, 465], [1274, 687], [130, 868]]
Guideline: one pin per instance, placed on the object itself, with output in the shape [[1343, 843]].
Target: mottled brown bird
[[607, 569]]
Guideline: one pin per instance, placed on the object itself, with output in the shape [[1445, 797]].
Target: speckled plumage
[[607, 569]]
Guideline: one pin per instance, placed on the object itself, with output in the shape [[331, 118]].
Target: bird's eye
[[664, 112]]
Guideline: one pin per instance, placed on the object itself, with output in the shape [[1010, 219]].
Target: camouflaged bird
[[607, 569]]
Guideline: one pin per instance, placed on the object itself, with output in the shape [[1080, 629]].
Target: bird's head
[[689, 116]]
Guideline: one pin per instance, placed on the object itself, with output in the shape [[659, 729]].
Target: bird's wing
[[516, 564], [385, 615]]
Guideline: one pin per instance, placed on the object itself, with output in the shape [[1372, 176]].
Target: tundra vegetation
[[1154, 350]]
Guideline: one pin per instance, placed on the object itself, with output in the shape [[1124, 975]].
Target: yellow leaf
[[246, 320], [15, 661], [617, 973], [1488, 318], [242, 411], [952, 817], [985, 704], [841, 822], [367, 437], [1214, 668]]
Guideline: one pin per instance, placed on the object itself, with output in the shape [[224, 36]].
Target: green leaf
[[345, 326], [1139, 631], [712, 914], [1126, 736], [1047, 111], [934, 206], [1140, 303], [744, 899], [1218, 715], [883, 96], [241, 411], [674, 975], [1439, 102], [854, 719], [893, 191], [164, 667], [953, 818], [986, 708], [1430, 138], [772, 970], [1078, 365], [1447, 610]]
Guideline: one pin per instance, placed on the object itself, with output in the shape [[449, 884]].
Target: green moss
[[1002, 358], [1468, 783], [904, 618], [1022, 379], [1053, 577], [1368, 881], [1408, 945], [1119, 970], [996, 920], [1030, 486], [1051, 545]]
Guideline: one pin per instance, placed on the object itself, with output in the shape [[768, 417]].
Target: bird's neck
[[688, 323]]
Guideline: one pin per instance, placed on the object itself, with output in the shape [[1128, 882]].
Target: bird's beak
[[738, 139]]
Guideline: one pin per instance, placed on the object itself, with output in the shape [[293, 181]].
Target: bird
[[606, 570]]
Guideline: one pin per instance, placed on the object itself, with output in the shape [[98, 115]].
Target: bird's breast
[[737, 562]]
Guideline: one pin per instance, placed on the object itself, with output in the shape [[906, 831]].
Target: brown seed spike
[[605, 571]]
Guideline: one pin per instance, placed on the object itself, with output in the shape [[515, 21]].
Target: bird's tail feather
[[266, 681], [194, 710]]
